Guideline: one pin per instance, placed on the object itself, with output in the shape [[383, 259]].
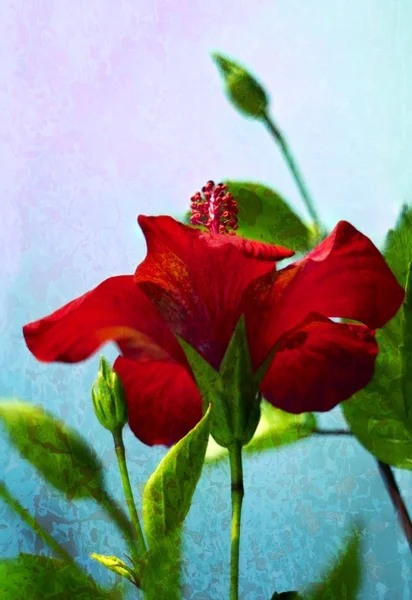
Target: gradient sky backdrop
[[111, 109]]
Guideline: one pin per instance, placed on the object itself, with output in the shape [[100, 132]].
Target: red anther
[[215, 209]]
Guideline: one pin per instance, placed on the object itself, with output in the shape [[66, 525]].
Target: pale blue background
[[111, 109]]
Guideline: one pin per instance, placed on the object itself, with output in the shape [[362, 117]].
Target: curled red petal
[[344, 276], [116, 310], [196, 280], [163, 401], [319, 364]]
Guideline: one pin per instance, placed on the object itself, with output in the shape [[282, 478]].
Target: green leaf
[[344, 578], [168, 493], [406, 348], [167, 497], [398, 254], [32, 577], [61, 455], [57, 451], [118, 566], [264, 216], [243, 90], [160, 570], [276, 428], [398, 245], [376, 414]]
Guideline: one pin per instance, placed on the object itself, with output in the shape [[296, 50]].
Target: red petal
[[163, 401], [196, 280], [345, 276], [319, 364], [115, 310]]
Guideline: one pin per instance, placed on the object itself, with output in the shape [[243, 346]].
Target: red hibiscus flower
[[197, 284]]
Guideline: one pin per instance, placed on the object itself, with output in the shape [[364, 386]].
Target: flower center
[[216, 209]]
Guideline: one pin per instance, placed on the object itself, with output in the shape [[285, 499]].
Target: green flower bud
[[109, 399], [245, 93]]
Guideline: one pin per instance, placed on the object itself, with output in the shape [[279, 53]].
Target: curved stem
[[124, 473], [294, 169], [34, 525], [237, 492], [397, 500]]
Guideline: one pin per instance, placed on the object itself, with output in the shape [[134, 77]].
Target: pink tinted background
[[114, 108]]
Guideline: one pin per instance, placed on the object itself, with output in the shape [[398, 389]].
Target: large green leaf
[[57, 451], [264, 216], [406, 349], [167, 498], [32, 577], [168, 493], [380, 415], [376, 414], [398, 245], [276, 428], [344, 578], [61, 455], [398, 254]]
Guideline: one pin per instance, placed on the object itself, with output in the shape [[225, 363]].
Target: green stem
[[35, 526], [237, 492], [294, 169], [121, 458]]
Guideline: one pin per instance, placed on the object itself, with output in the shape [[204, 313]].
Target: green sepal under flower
[[109, 399], [233, 390]]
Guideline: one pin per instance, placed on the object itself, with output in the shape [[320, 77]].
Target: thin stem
[[121, 459], [397, 500], [332, 432], [237, 492], [35, 525], [294, 169]]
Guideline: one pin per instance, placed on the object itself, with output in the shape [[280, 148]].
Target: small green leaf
[[344, 578], [118, 566], [376, 414], [168, 494], [406, 348], [276, 428], [264, 216], [57, 451], [243, 90], [32, 577]]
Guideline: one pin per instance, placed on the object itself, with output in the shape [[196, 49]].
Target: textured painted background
[[113, 108]]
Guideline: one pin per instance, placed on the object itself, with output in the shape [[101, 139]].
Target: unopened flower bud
[[245, 93], [109, 399]]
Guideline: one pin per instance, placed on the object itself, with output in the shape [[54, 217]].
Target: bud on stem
[[245, 93], [109, 399]]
